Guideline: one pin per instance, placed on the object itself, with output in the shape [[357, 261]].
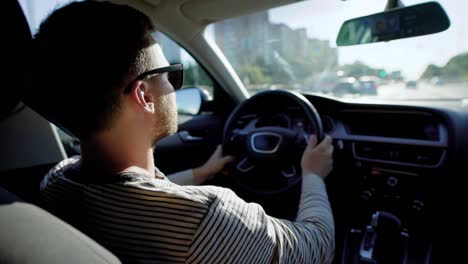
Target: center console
[[386, 179], [387, 215]]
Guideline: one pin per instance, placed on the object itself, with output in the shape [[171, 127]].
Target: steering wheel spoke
[[292, 173], [289, 171], [245, 165], [235, 143], [302, 138]]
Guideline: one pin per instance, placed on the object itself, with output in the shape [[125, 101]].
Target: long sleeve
[[184, 177], [145, 219], [234, 231]]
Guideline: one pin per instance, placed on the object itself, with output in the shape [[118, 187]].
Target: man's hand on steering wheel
[[318, 159], [214, 165], [268, 151]]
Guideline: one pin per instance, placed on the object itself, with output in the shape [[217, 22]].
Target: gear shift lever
[[386, 223], [383, 240]]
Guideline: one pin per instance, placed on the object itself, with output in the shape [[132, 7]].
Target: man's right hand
[[318, 159]]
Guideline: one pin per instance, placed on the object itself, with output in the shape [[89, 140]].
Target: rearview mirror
[[405, 22]]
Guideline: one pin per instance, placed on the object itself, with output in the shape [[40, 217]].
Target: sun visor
[[207, 11]]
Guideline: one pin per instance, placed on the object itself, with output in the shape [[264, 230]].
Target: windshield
[[294, 47]]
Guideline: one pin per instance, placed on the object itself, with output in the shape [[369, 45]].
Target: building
[[321, 55], [283, 54], [243, 36]]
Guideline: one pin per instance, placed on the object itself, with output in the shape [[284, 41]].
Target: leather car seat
[[29, 234]]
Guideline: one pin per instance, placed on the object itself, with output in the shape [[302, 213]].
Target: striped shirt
[[144, 219]]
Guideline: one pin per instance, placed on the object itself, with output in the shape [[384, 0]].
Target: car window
[[35, 11], [294, 47], [194, 74]]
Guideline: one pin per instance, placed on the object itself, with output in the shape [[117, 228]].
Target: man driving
[[102, 76]]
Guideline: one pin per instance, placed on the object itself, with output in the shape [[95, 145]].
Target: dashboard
[[410, 138], [396, 158], [388, 158]]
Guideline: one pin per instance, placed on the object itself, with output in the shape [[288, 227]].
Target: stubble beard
[[166, 124]]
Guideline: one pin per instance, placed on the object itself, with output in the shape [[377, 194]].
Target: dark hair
[[85, 53]]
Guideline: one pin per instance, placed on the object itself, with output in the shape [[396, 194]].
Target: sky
[[323, 19], [41, 9]]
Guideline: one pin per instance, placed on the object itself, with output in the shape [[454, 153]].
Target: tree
[[456, 69], [431, 72], [253, 74], [278, 71], [194, 75], [359, 69], [303, 68]]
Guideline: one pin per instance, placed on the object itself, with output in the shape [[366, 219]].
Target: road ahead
[[398, 91]]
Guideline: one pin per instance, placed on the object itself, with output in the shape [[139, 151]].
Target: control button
[[340, 144], [289, 172], [392, 181], [366, 195], [245, 166], [418, 205], [394, 155]]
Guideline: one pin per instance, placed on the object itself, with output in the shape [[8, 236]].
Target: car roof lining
[[210, 11], [184, 20]]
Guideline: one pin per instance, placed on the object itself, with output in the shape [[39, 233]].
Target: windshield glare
[[293, 47]]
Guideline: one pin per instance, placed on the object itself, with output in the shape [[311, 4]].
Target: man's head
[[86, 54]]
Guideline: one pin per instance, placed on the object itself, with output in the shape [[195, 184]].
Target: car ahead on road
[[397, 160], [437, 81], [368, 85], [324, 85], [348, 85], [411, 84]]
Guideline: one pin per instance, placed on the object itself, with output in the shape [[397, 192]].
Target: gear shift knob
[[383, 240], [385, 222]]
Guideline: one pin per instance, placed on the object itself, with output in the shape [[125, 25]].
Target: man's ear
[[142, 97]]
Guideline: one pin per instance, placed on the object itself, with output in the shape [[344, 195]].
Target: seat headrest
[[16, 38]]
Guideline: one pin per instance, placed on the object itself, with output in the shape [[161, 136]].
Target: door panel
[[191, 146]]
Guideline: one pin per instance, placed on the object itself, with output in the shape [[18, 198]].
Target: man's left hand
[[214, 165]]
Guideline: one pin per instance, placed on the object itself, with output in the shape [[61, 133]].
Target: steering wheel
[[268, 150]]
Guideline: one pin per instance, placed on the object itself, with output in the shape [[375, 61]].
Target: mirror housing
[[404, 22], [192, 100]]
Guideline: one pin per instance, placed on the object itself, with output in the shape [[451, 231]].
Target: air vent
[[414, 155], [328, 124], [393, 125]]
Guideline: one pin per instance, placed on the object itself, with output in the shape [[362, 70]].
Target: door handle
[[186, 137]]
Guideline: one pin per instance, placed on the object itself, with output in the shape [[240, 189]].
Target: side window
[[194, 74], [36, 11]]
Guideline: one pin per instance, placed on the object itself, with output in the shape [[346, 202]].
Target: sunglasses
[[175, 75]]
